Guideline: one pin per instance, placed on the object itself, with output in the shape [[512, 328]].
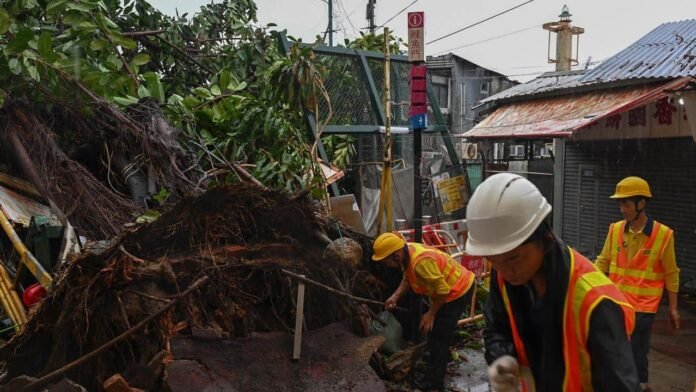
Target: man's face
[[629, 207], [519, 265], [393, 260]]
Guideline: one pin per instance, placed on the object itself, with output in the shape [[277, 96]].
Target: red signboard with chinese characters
[[416, 36]]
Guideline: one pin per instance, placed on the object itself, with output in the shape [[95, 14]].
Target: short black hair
[[543, 234]]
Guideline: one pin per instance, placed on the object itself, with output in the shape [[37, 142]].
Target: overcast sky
[[513, 44]]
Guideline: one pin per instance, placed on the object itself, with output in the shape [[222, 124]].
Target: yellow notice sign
[[453, 193]]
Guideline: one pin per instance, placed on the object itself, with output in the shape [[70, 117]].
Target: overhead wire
[[478, 23], [347, 15], [399, 13], [487, 40]]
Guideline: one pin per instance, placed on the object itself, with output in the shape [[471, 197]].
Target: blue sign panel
[[419, 121]]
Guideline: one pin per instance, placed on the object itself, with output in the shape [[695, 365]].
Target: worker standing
[[638, 256], [553, 321], [428, 271]]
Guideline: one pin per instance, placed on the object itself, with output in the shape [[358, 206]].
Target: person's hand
[[390, 303], [427, 321], [674, 318], [504, 374]]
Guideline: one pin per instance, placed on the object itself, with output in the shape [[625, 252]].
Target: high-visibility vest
[[587, 287], [642, 278], [458, 278]]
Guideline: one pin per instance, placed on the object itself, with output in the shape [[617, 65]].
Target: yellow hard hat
[[386, 244], [630, 187]]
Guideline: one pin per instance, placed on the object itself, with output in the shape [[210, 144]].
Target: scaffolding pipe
[[26, 257], [8, 306], [10, 300], [385, 196]]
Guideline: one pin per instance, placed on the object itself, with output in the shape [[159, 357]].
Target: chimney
[[564, 41]]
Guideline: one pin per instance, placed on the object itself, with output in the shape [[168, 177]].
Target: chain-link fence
[[354, 81], [349, 97]]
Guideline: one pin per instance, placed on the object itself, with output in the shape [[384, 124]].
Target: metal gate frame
[[363, 56]]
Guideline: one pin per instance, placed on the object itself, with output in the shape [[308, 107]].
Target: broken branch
[[142, 33], [186, 55], [333, 290]]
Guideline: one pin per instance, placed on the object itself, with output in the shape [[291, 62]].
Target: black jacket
[[539, 322]]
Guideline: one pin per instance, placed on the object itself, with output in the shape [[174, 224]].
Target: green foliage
[[148, 216], [341, 149], [161, 196], [219, 76], [375, 43]]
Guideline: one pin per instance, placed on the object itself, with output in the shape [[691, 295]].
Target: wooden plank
[[299, 315]]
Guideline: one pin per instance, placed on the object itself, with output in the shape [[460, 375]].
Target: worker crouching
[[433, 273], [553, 321]]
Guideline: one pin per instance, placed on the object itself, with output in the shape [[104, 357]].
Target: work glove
[[504, 374]]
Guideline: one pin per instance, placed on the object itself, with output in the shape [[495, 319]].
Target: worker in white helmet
[[553, 321]]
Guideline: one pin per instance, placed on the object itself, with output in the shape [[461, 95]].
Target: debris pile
[[238, 237]]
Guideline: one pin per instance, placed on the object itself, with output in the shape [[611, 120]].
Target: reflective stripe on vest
[[458, 278], [588, 287], [642, 278]]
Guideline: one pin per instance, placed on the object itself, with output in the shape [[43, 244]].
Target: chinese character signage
[[416, 36]]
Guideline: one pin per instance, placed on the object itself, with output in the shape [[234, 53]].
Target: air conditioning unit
[[469, 151], [517, 151]]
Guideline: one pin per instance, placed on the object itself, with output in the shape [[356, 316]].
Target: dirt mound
[[239, 236]]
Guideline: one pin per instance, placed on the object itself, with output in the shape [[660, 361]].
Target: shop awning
[[561, 116]]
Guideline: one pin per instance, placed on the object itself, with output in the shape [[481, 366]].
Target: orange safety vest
[[458, 278], [587, 286], [642, 278]]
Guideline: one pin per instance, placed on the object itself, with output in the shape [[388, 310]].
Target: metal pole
[[330, 22], [417, 202], [371, 15], [387, 129]]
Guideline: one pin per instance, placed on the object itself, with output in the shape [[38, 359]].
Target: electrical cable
[[345, 13], [486, 40], [399, 13], [478, 23]]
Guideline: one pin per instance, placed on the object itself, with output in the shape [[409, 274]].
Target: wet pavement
[[469, 373], [673, 353], [672, 358], [672, 362]]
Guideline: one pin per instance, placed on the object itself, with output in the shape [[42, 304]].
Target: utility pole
[[370, 14], [330, 28]]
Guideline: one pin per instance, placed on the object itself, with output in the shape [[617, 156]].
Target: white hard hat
[[503, 212]]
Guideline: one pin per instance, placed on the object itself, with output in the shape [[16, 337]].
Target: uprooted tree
[[112, 108], [130, 108], [238, 237]]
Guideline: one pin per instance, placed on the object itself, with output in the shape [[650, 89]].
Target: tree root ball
[[343, 251]]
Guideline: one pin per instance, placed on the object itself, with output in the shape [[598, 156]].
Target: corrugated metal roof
[[549, 81], [669, 51], [561, 116], [20, 209]]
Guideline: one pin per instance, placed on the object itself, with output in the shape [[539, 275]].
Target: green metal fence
[[354, 81]]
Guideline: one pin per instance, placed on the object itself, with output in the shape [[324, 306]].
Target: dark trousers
[[640, 343], [440, 338]]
